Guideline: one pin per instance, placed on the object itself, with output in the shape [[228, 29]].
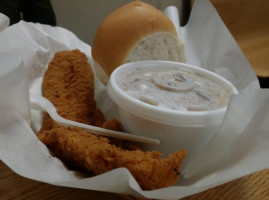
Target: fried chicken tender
[[68, 83]]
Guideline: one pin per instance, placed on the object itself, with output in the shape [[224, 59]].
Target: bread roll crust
[[122, 29]]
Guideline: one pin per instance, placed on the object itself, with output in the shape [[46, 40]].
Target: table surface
[[248, 22]]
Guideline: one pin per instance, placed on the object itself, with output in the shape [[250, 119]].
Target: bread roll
[[135, 31]]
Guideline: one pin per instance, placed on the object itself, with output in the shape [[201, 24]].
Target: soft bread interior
[[157, 46]]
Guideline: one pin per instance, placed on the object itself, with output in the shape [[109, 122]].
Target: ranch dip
[[174, 89]]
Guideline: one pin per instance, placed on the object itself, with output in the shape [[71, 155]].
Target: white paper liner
[[239, 148]]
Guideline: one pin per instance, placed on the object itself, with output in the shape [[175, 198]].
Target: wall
[[83, 17]]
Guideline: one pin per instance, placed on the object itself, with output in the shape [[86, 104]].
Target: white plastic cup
[[177, 130]]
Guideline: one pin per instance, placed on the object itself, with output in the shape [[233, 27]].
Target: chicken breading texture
[[69, 84]]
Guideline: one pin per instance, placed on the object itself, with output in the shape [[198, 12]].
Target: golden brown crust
[[122, 29], [68, 84], [96, 154]]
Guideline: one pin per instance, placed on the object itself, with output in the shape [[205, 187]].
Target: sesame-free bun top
[[133, 32]]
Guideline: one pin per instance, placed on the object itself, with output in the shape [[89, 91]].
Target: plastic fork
[[41, 103]]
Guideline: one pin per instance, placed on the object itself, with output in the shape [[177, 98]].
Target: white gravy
[[175, 89]]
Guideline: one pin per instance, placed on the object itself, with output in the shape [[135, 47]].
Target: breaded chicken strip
[[68, 84]]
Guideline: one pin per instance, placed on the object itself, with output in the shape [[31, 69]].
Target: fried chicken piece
[[68, 84], [96, 154]]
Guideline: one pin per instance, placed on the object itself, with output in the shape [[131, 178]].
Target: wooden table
[[248, 21]]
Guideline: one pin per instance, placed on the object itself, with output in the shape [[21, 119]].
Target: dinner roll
[[135, 31]]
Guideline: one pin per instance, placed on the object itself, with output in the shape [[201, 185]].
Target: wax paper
[[240, 147]]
